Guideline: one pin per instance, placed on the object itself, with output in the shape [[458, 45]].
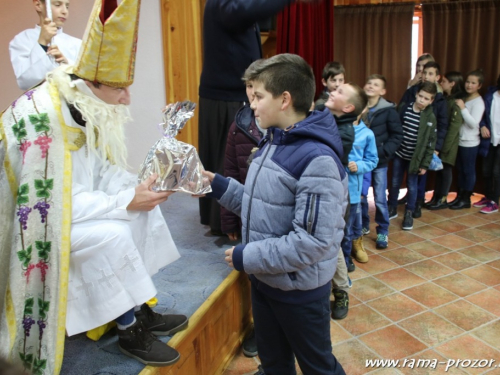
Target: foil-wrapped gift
[[177, 163]]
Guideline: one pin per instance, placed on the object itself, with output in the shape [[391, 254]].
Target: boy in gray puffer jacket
[[292, 207]]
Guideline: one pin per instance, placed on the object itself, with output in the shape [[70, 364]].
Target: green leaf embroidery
[[43, 249], [41, 122], [43, 307], [43, 186], [19, 129], [28, 306], [38, 366], [25, 256], [22, 194], [27, 360]]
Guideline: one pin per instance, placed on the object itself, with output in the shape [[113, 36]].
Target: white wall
[[148, 91]]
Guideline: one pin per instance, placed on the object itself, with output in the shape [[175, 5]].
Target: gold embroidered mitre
[[109, 46]]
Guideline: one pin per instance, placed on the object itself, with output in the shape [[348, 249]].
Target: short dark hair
[[477, 73], [458, 90], [331, 69], [429, 88], [359, 99], [285, 72], [377, 76], [433, 64]]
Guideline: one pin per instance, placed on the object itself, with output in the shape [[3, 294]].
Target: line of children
[[35, 52]]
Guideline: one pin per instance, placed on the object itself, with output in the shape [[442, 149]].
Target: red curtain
[[306, 29]]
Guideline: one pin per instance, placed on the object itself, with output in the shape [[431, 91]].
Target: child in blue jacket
[[363, 158]]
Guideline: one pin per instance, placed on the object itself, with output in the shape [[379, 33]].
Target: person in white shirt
[[468, 144], [35, 52]]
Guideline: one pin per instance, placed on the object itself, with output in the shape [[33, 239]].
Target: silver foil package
[[177, 163]]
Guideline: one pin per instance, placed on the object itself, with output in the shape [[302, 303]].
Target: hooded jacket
[[364, 154], [292, 207], [243, 136], [439, 107], [383, 120]]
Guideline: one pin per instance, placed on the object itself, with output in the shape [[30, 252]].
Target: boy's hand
[[353, 167], [233, 236], [416, 79], [436, 152], [145, 199], [485, 133], [422, 171], [208, 176], [460, 103], [229, 257], [58, 56], [47, 31]]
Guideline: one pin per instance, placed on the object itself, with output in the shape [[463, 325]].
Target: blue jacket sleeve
[[370, 155]]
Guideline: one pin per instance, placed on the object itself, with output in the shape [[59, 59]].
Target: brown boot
[[358, 251]]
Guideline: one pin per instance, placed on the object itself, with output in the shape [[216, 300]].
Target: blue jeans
[[466, 166], [352, 230], [399, 167], [283, 330], [379, 183]]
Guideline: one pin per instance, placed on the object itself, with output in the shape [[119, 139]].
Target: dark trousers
[[399, 167], [283, 330], [491, 173], [214, 122], [466, 166], [422, 182], [443, 180]]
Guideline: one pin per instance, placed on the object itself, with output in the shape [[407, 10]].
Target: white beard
[[105, 120]]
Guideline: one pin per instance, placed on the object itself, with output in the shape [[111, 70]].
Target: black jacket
[[346, 132], [384, 122], [231, 42]]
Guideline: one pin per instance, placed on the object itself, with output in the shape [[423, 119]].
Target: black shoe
[[463, 202], [433, 201], [408, 220], [418, 209], [260, 371], [137, 342], [439, 205], [250, 345], [393, 212], [350, 265], [402, 200], [161, 325], [457, 198], [340, 307], [216, 232]]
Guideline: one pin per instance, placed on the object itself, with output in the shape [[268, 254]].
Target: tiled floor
[[434, 293]]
